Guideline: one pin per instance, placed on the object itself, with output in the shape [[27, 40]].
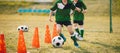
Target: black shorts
[[66, 23], [79, 22]]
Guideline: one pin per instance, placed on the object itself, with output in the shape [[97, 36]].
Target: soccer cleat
[[77, 36], [61, 35], [76, 45], [75, 42], [80, 38]]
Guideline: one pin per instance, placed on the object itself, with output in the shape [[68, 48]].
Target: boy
[[62, 17], [78, 17]]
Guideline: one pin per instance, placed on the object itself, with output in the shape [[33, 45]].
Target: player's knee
[[71, 32], [75, 25], [59, 31]]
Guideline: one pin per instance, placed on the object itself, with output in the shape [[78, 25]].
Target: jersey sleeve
[[72, 6], [54, 7], [83, 5]]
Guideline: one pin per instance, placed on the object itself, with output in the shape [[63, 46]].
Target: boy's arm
[[75, 8], [50, 15], [51, 12], [84, 7]]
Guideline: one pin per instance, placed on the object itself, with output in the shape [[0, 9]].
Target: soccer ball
[[57, 41], [24, 28]]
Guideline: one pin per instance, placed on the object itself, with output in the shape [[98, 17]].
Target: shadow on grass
[[67, 48], [44, 50], [76, 50], [81, 50], [98, 31], [116, 48]]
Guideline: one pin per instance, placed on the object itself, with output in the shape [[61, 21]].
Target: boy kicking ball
[[62, 17]]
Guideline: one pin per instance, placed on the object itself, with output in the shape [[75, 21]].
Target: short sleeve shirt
[[62, 11]]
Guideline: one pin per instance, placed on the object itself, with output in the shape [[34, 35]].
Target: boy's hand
[[78, 9], [50, 19], [84, 11]]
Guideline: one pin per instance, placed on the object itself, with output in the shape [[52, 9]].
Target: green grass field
[[97, 38]]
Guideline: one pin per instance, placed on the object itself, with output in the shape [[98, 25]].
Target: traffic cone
[[47, 35], [55, 33], [21, 43], [2, 44], [35, 42]]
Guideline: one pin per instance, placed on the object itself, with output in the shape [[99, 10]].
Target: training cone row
[[47, 35], [35, 42], [21, 48], [55, 32], [21, 43], [48, 38], [2, 44]]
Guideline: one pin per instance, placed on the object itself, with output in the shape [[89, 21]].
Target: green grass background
[[97, 38]]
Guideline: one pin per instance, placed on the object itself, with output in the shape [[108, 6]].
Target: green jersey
[[63, 11], [79, 16]]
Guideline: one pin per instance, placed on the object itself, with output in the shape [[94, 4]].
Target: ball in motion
[[57, 41]]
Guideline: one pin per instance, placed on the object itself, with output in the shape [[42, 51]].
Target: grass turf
[[97, 38]]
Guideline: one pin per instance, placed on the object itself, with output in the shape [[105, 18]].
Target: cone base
[[27, 52]]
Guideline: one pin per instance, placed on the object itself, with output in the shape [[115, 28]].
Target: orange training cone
[[21, 43], [55, 33], [35, 42], [47, 35], [2, 44]]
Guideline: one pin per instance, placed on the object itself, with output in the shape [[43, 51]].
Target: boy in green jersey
[[78, 17], [62, 17]]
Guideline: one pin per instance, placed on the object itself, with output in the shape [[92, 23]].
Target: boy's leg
[[69, 27], [59, 28], [81, 30], [76, 28], [61, 35], [79, 36]]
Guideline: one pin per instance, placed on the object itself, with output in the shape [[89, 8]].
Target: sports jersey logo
[[60, 5]]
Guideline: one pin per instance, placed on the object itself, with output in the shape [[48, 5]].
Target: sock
[[82, 32], [74, 40], [77, 30], [61, 35]]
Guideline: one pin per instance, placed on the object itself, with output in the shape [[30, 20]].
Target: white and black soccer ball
[[57, 41], [24, 28]]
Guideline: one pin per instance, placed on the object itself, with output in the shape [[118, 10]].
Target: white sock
[[75, 33]]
